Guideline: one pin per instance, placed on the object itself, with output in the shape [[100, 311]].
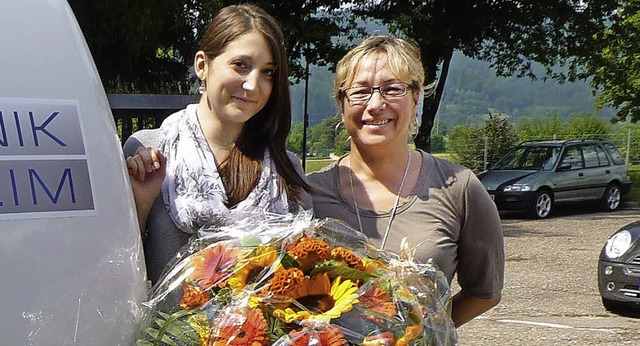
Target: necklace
[[395, 204]]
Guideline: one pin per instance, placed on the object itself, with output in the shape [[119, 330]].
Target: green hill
[[472, 90]]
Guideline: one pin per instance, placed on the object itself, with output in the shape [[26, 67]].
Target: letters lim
[[43, 166]]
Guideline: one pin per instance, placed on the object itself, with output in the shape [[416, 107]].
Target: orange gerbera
[[236, 329], [213, 265], [308, 251], [328, 337], [376, 300], [193, 296], [346, 257]]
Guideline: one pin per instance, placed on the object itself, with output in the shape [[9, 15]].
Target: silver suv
[[535, 176]]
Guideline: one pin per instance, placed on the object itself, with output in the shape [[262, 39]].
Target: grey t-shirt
[[163, 239], [449, 217]]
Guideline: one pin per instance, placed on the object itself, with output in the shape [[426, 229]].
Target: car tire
[[542, 204], [611, 198], [613, 306]]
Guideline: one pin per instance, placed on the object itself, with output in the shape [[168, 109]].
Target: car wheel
[[611, 198], [613, 306], [542, 204]]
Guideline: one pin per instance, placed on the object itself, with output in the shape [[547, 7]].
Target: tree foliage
[[145, 46], [615, 65], [511, 35], [468, 144]]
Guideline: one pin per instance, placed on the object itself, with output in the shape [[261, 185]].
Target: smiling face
[[380, 122], [239, 81]]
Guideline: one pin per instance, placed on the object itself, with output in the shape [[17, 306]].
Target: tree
[[467, 143], [145, 46], [615, 66], [539, 128], [511, 35]]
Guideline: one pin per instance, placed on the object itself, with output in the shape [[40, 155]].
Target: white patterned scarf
[[192, 190]]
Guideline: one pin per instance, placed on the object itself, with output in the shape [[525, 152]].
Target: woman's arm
[[146, 166], [147, 169], [464, 308]]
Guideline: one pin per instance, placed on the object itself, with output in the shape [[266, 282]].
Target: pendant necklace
[[395, 204]]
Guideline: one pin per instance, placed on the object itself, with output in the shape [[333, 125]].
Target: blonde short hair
[[403, 58]]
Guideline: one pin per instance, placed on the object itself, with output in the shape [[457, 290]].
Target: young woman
[[389, 191], [224, 157]]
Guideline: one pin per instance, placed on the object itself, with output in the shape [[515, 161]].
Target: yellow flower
[[371, 265], [410, 333], [249, 269], [316, 298]]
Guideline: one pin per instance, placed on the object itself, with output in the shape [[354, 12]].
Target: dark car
[[619, 269], [536, 176]]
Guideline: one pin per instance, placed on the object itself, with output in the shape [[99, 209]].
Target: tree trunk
[[431, 103]]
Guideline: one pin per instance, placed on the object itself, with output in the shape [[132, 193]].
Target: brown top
[[449, 217]]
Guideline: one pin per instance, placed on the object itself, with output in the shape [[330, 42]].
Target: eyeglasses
[[358, 95]]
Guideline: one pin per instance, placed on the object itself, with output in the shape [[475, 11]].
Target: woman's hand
[[147, 169]]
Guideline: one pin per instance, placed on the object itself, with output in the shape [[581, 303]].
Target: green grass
[[634, 194], [316, 164]]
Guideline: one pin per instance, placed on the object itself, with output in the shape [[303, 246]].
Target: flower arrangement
[[291, 280]]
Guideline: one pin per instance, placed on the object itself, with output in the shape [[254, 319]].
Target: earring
[[338, 125], [413, 127], [201, 88]]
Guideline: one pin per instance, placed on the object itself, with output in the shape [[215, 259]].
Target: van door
[[569, 181]]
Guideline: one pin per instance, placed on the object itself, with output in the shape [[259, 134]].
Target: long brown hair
[[271, 125]]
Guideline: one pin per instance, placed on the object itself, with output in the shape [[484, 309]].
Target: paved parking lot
[[551, 293]]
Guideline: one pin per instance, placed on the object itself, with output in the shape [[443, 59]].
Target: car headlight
[[519, 187], [618, 244]]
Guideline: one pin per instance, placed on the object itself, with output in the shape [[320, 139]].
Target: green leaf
[[345, 272]]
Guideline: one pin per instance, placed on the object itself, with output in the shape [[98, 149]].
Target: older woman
[[389, 191]]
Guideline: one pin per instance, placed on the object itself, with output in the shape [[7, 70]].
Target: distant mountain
[[472, 90]]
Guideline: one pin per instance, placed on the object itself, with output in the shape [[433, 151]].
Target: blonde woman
[[389, 191]]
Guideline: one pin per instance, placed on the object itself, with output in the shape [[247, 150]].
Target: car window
[[572, 157], [594, 156], [529, 157], [602, 157], [615, 154], [552, 155]]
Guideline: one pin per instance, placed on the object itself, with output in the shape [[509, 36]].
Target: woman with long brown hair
[[224, 157]]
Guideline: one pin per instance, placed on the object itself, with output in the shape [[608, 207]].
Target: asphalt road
[[551, 292]]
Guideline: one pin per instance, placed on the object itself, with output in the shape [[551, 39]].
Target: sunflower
[[249, 269], [193, 296], [316, 298], [328, 337], [308, 251], [236, 329], [213, 265]]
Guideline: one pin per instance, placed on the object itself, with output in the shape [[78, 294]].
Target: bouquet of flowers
[[294, 280]]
